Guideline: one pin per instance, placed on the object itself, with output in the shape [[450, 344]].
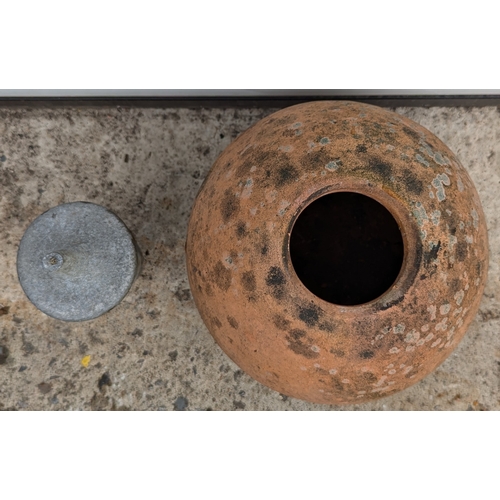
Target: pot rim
[[408, 228]]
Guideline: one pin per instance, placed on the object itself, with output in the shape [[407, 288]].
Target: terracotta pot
[[328, 297]]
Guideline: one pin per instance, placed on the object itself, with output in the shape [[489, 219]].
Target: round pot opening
[[346, 248]]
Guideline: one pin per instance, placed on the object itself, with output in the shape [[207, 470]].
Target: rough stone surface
[[152, 351]]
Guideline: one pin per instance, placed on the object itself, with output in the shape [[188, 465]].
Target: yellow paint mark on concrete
[[85, 361]]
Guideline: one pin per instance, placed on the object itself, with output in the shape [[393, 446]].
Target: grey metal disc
[[77, 261]]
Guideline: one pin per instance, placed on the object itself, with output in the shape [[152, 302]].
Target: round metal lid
[[77, 261]]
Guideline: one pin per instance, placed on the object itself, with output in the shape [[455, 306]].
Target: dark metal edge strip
[[249, 102]]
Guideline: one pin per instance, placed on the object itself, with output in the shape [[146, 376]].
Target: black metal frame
[[472, 100]]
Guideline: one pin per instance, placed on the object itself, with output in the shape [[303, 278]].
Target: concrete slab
[[153, 352]]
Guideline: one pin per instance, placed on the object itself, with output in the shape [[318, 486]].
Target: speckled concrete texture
[[152, 352]]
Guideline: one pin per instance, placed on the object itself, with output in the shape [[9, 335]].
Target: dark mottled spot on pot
[[276, 281], [432, 254], [326, 327], [461, 250], [411, 133], [285, 175], [284, 121], [317, 159], [221, 276], [337, 384], [280, 322], [232, 322], [216, 322], [361, 148], [297, 334], [208, 290], [456, 285], [262, 246], [244, 168], [366, 354], [272, 162], [337, 352], [423, 277], [375, 133], [241, 229], [381, 168], [275, 277], [310, 314], [412, 182], [479, 267], [368, 378], [230, 205], [288, 133], [297, 345], [451, 220], [248, 281]]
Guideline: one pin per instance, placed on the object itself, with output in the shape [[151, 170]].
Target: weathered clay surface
[[246, 289], [152, 351]]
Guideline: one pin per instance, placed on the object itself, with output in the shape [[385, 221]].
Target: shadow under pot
[[337, 252]]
